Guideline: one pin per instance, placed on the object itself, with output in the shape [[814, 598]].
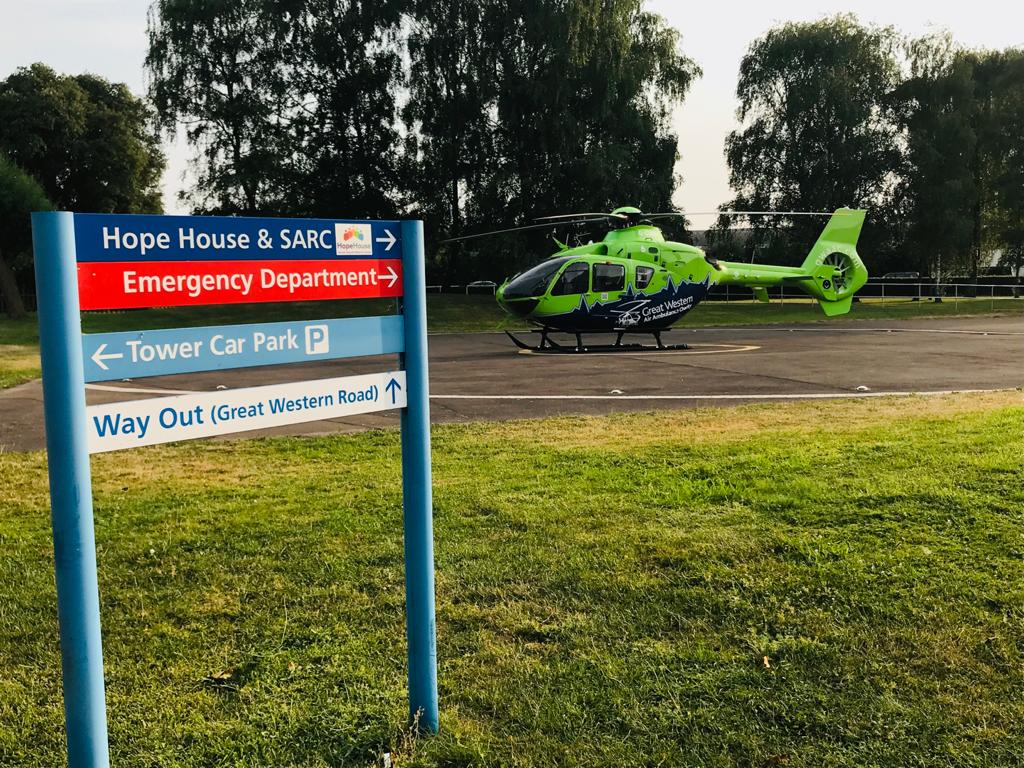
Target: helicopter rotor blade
[[548, 225], [743, 213], [621, 216]]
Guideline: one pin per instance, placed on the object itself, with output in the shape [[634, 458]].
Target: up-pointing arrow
[[390, 239], [392, 276], [98, 357], [393, 386]]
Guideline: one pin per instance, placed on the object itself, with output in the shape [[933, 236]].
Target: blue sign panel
[[138, 237], [136, 354]]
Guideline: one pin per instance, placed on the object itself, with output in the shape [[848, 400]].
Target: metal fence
[[880, 290], [487, 289]]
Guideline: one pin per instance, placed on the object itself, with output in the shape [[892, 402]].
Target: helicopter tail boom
[[832, 272]]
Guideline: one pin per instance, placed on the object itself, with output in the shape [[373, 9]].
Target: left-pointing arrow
[[390, 239], [98, 357]]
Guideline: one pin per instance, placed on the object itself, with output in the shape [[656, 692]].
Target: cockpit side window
[[609, 277], [643, 277], [573, 281], [534, 282]]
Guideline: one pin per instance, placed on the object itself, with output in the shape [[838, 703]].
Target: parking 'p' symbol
[[317, 340]]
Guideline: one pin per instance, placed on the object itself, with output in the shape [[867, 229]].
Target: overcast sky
[[108, 37]]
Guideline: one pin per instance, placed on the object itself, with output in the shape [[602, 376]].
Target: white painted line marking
[[141, 390], [728, 348], [790, 396], [806, 396], [761, 328]]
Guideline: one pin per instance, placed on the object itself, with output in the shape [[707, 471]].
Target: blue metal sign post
[[62, 241], [416, 489], [74, 545]]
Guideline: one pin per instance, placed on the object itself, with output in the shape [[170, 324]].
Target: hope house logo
[[353, 240]]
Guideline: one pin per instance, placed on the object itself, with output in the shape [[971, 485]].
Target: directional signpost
[[98, 261]]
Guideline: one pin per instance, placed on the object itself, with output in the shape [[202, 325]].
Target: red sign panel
[[137, 284]]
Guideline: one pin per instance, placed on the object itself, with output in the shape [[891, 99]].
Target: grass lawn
[[811, 584], [19, 341]]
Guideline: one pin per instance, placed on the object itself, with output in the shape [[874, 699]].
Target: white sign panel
[[135, 423]]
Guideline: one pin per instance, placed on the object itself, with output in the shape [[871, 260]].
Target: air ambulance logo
[[353, 240]]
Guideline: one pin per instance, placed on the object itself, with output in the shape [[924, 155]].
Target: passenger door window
[[609, 277], [573, 281]]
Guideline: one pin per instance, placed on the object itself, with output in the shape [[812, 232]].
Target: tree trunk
[[9, 290]]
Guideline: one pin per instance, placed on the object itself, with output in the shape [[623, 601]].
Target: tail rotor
[[842, 266], [834, 270]]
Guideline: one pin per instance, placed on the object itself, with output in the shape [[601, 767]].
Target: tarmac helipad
[[482, 376]]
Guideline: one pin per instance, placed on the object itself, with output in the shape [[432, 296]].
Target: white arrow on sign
[[391, 275], [98, 357], [390, 239]]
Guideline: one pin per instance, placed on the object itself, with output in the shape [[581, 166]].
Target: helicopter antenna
[[518, 229]]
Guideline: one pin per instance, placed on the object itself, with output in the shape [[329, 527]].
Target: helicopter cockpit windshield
[[533, 282]]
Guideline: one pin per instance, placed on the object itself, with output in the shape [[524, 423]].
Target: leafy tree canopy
[[289, 103], [815, 134], [521, 109], [87, 141], [20, 195], [938, 189], [1005, 215], [485, 112]]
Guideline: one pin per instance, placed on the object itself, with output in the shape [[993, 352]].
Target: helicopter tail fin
[[834, 270]]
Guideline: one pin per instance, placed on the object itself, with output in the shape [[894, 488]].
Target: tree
[[963, 188], [87, 141], [457, 111], [815, 134], [584, 97], [349, 150], [522, 108], [452, 88], [1005, 215], [221, 68], [939, 189], [20, 195], [78, 143], [290, 104]]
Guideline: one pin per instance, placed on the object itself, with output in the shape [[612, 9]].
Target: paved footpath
[[482, 376]]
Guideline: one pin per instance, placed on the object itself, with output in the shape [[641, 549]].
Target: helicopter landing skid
[[550, 346]]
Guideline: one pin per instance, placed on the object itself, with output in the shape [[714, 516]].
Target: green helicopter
[[635, 281]]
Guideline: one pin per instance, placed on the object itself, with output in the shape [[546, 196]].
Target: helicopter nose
[[519, 307]]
